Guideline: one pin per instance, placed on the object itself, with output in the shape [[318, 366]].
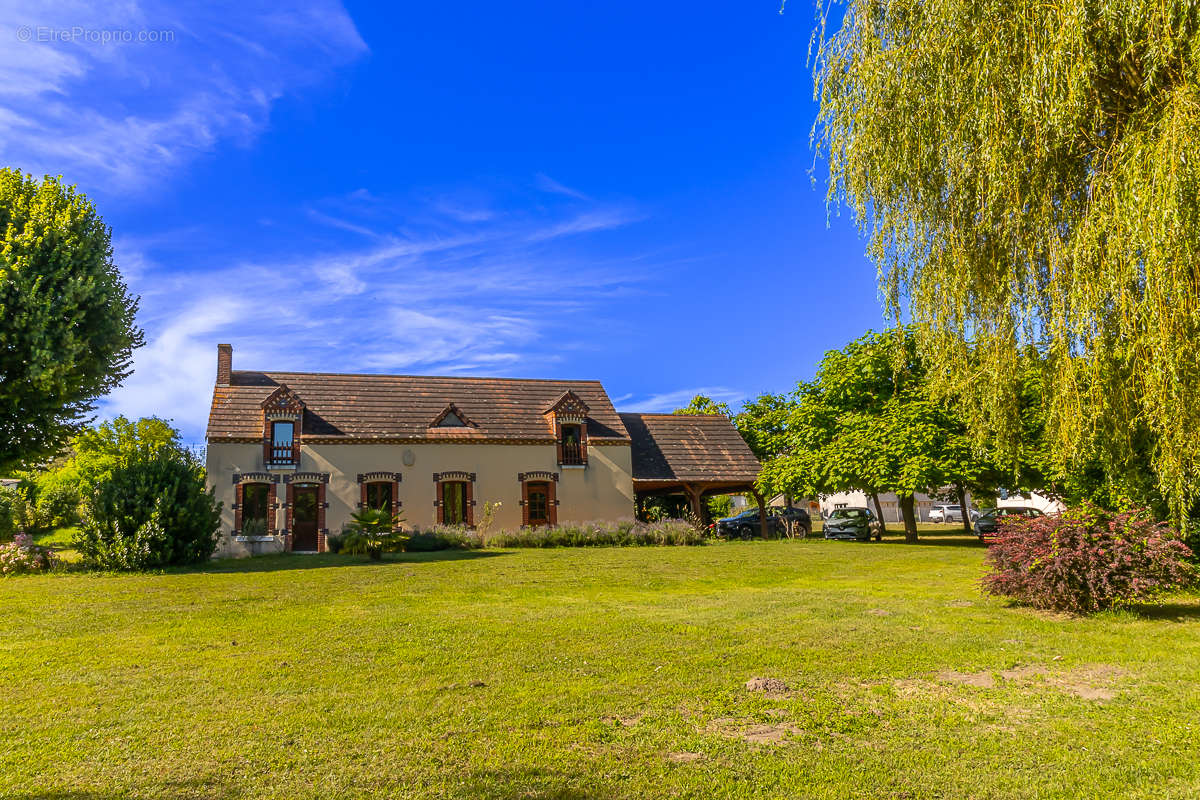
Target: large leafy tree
[[67, 329], [1029, 173], [868, 422]]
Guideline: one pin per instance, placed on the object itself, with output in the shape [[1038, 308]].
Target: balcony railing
[[282, 456], [571, 454]]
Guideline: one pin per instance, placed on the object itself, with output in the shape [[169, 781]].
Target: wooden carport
[[694, 455]]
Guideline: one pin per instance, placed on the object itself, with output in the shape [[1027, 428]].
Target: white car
[[946, 513]]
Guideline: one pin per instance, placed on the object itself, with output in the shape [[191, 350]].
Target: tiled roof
[[685, 447], [404, 406]]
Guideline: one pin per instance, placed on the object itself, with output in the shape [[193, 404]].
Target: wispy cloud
[[669, 401], [116, 115], [548, 184], [449, 298], [587, 222]]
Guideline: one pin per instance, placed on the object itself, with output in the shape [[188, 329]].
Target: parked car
[[859, 524], [798, 518], [985, 526], [950, 512], [745, 525]]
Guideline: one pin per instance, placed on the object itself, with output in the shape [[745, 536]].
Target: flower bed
[[671, 532], [22, 555]]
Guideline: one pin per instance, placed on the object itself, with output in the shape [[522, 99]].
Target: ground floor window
[[379, 496], [455, 503], [540, 505], [256, 504]]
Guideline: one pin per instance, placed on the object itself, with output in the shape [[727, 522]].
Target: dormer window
[[451, 417], [571, 445], [568, 418], [283, 412], [283, 440]]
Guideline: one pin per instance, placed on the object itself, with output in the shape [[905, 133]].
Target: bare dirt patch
[[879, 612], [982, 680], [627, 721], [1094, 682], [772, 686], [685, 758], [752, 732]]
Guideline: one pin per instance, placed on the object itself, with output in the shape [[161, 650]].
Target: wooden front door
[[537, 501], [304, 518]]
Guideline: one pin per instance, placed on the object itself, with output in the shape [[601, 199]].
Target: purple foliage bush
[[1086, 560]]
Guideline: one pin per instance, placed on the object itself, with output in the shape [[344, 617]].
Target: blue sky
[[621, 191]]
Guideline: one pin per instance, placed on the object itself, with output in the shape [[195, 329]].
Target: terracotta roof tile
[[404, 406], [684, 447]]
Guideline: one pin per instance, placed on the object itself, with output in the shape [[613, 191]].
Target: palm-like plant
[[374, 532]]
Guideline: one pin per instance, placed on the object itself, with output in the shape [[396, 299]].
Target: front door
[[537, 498], [304, 518]]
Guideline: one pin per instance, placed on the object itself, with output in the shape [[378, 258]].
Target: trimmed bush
[[22, 555], [149, 512], [1086, 560], [442, 537], [591, 534], [602, 534]]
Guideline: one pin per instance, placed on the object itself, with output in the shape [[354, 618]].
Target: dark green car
[[858, 524], [989, 520]]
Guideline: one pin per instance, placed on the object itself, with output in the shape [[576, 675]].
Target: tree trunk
[[879, 513], [762, 514], [910, 518], [966, 512]]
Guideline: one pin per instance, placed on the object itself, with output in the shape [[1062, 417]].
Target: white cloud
[[669, 401], [588, 222], [548, 184], [116, 115], [455, 299]]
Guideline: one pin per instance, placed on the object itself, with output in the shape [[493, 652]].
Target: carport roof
[[687, 448]]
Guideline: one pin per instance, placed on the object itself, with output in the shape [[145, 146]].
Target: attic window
[[451, 420], [451, 417]]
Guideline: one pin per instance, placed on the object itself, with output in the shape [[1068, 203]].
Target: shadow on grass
[[1167, 612], [534, 784], [173, 790], [291, 561], [937, 540]]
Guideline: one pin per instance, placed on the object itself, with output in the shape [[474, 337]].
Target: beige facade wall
[[603, 490]]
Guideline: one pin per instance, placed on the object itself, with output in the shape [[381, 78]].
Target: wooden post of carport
[[695, 496]]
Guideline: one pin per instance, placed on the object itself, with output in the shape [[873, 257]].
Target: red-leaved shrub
[[1086, 560]]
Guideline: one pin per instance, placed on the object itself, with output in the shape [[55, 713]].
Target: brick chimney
[[224, 363]]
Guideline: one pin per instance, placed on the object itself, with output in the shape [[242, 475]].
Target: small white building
[[1041, 502], [888, 502], [923, 503]]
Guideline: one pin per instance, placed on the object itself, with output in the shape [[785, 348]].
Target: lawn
[[603, 673]]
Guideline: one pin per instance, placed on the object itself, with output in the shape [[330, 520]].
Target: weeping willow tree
[[1026, 174]]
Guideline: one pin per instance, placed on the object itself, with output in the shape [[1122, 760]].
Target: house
[[292, 455]]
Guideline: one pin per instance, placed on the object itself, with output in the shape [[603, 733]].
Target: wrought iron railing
[[571, 453]]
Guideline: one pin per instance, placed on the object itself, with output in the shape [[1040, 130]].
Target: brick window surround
[[391, 478], [550, 481], [440, 480], [240, 482]]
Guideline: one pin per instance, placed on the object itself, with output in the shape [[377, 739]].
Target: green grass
[[606, 673]]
